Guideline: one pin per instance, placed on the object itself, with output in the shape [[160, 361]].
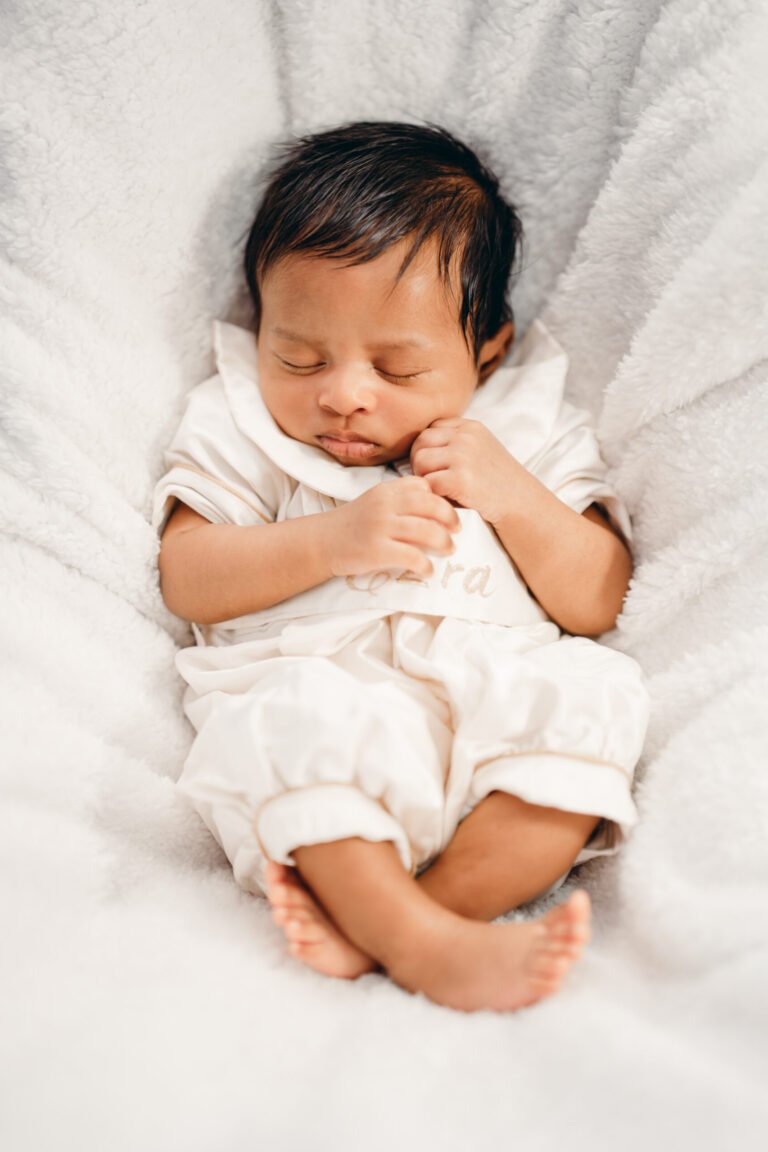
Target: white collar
[[519, 402]]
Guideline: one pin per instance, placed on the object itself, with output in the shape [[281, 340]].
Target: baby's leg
[[426, 948], [505, 853]]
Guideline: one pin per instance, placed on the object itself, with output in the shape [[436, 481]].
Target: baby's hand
[[463, 461], [391, 526]]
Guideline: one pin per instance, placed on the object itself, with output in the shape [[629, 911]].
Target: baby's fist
[[463, 461], [392, 526]]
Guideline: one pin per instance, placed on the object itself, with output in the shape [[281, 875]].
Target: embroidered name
[[474, 581]]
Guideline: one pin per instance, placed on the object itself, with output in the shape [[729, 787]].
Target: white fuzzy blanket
[[146, 1002]]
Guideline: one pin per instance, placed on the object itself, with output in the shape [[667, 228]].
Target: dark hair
[[354, 191]]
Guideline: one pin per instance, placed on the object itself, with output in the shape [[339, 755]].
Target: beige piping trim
[[311, 787], [226, 487], [564, 755]]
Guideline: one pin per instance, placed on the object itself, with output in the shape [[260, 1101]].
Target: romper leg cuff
[[318, 814], [552, 780], [598, 788]]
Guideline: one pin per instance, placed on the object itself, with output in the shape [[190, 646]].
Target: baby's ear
[[494, 350]]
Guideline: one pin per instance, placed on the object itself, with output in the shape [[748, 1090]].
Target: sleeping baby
[[396, 542]]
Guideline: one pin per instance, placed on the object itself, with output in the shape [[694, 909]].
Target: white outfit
[[387, 706]]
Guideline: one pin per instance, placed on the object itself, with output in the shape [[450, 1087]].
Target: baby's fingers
[[420, 500], [408, 558], [444, 484], [427, 460], [426, 534]]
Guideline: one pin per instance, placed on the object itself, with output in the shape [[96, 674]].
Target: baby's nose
[[345, 391]]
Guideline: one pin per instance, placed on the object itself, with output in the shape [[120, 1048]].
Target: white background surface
[[146, 1002]]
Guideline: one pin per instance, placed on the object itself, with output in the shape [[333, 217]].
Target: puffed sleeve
[[570, 465], [214, 469]]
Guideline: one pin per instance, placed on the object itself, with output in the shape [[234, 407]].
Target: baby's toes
[[288, 908], [567, 951], [551, 965], [275, 873], [301, 930], [540, 989], [281, 876], [569, 923], [278, 898], [285, 897], [571, 932], [569, 942], [576, 913]]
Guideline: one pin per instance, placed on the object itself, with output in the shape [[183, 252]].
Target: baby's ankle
[[420, 944]]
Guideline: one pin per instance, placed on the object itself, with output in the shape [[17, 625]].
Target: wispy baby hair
[[354, 191]]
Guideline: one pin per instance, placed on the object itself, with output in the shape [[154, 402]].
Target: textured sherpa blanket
[[146, 1002]]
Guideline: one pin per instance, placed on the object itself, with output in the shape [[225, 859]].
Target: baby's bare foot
[[471, 965], [312, 937]]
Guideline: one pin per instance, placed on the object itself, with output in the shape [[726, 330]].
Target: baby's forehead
[[397, 275], [358, 307]]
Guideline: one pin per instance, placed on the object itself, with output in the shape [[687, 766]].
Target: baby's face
[[355, 364]]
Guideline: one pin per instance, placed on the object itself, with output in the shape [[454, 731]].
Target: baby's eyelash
[[302, 369], [299, 367], [394, 376]]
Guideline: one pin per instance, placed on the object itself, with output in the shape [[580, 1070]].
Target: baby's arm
[[575, 565], [214, 572]]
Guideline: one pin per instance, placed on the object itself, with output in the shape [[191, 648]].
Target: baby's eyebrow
[[294, 337], [403, 342], [384, 346]]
